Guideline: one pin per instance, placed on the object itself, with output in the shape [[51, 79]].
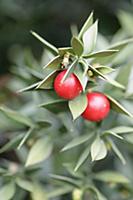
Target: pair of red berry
[[98, 105]]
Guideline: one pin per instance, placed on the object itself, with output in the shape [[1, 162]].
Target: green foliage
[[57, 151]]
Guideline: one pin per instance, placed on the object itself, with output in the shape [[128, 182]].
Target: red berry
[[98, 107], [70, 88]]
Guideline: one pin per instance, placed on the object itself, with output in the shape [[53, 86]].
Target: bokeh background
[[52, 19]]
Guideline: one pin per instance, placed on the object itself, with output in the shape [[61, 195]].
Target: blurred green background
[[52, 19]]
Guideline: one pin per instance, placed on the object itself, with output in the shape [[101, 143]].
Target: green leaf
[[104, 69], [48, 82], [26, 136], [98, 149], [49, 46], [77, 141], [64, 50], [89, 38], [38, 192], [55, 106], [118, 107], [78, 105], [86, 25], [111, 176], [64, 179], [13, 143], [121, 129], [119, 46], [106, 78], [81, 74], [70, 70], [117, 151], [7, 191], [24, 184], [82, 158], [77, 46], [40, 151], [103, 53], [17, 116], [112, 133], [54, 64], [29, 88]]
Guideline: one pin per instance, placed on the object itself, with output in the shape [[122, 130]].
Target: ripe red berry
[[98, 107], [70, 88]]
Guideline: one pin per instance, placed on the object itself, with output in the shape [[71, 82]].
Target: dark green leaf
[[86, 25], [111, 176], [78, 105], [118, 107], [97, 192], [101, 53], [40, 151], [56, 106], [49, 46], [77, 46], [54, 64], [48, 82], [89, 38]]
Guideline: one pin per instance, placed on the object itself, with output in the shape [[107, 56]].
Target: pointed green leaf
[[103, 53], [89, 38], [121, 129], [78, 105], [49, 46], [86, 25], [77, 46], [7, 191], [40, 151], [24, 184], [98, 149], [56, 106], [64, 50], [29, 88], [77, 141], [99, 195], [70, 70], [17, 116], [112, 133], [111, 81], [104, 69], [111, 176], [59, 191], [66, 179], [48, 82], [117, 151], [54, 64], [82, 158], [118, 107]]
